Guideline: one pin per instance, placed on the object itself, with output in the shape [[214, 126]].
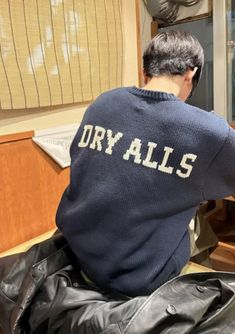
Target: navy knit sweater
[[141, 162]]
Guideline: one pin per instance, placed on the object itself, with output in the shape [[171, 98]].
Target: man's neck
[[166, 84]]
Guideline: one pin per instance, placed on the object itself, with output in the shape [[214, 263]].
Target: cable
[[167, 10], [186, 3]]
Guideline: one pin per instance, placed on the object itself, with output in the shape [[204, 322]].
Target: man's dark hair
[[173, 53]]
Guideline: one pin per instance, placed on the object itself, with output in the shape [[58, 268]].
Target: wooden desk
[[192, 267], [26, 245], [230, 198]]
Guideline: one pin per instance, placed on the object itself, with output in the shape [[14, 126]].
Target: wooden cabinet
[[31, 186], [222, 220], [222, 258]]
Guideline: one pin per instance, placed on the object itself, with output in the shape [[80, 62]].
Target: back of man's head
[[173, 53]]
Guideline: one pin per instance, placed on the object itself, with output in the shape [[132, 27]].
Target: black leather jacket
[[41, 291]]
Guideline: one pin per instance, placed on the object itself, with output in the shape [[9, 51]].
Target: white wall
[[145, 26], [220, 59], [26, 120]]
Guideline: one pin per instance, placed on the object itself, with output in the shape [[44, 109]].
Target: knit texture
[[141, 162]]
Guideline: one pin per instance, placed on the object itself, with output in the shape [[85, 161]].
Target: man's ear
[[146, 78], [190, 74]]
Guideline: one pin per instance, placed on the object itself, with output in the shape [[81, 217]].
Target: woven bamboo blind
[[55, 52]]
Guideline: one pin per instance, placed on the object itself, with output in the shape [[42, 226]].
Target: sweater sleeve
[[220, 175]]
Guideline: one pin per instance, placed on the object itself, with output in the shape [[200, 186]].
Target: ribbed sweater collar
[[160, 96]]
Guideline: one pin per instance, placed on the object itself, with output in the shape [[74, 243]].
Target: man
[[141, 162]]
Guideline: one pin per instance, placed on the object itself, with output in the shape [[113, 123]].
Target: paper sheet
[[56, 142]]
